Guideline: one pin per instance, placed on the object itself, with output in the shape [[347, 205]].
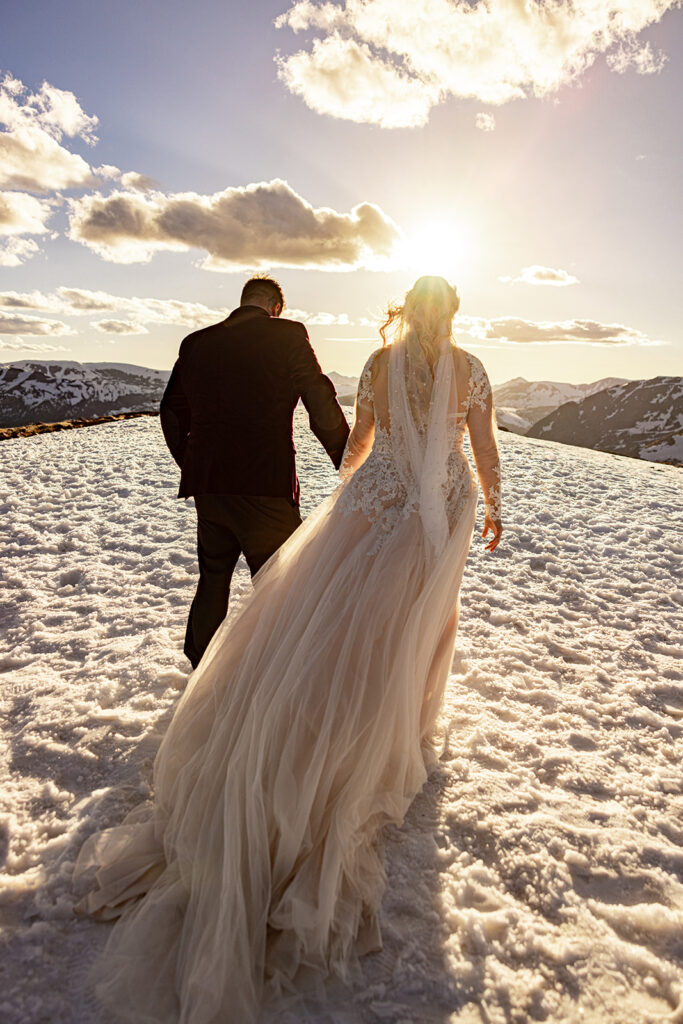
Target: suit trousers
[[229, 525]]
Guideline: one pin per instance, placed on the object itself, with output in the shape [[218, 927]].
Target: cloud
[[34, 326], [119, 327], [22, 346], [641, 58], [342, 74], [82, 302], [485, 122], [387, 62], [318, 319], [32, 156], [77, 302], [15, 251], [530, 332], [253, 227], [108, 171], [138, 182], [129, 179], [541, 275], [21, 214]]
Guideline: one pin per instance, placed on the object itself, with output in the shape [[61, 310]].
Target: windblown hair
[[428, 308], [264, 288]]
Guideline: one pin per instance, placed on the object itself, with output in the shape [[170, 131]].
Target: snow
[[670, 450], [510, 419], [344, 386], [538, 875], [520, 394], [69, 384]]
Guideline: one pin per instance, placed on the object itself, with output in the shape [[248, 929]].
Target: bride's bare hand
[[496, 528]]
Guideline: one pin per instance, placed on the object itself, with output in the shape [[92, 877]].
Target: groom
[[227, 415]]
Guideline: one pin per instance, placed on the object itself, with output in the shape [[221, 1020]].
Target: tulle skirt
[[303, 731]]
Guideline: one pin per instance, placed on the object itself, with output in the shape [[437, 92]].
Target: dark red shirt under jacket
[[227, 410]]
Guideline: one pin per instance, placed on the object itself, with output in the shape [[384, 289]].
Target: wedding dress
[[306, 726]]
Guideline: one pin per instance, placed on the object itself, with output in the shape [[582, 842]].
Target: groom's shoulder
[[290, 325], [190, 341], [278, 328], [292, 332]]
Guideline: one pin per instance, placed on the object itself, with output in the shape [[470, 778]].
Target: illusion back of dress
[[405, 452]]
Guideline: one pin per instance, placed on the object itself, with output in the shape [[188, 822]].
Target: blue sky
[[525, 152]]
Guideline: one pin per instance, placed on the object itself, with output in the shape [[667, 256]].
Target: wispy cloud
[[119, 327], [81, 302], [538, 275], [318, 319], [254, 227], [388, 62], [31, 346], [33, 326], [531, 332]]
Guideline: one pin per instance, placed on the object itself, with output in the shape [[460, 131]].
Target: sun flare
[[442, 249]]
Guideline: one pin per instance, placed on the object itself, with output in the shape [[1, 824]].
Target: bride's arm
[[480, 422], [362, 434], [360, 441]]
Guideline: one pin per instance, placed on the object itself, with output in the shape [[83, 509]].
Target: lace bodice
[[374, 484]]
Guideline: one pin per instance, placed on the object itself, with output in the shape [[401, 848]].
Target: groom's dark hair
[[264, 288]]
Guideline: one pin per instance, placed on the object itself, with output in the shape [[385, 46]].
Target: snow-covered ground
[[539, 876]]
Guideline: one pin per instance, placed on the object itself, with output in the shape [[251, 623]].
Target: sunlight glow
[[443, 248]]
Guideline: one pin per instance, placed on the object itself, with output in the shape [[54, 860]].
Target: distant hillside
[[344, 385], [643, 419], [34, 391], [520, 403]]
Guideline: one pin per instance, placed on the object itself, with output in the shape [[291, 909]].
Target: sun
[[440, 248]]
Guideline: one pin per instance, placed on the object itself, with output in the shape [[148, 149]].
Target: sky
[[153, 155]]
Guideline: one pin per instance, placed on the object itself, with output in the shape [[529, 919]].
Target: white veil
[[422, 407]]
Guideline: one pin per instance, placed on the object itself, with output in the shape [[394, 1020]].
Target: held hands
[[496, 528]]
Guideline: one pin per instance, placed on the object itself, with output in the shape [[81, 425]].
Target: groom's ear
[[277, 309]]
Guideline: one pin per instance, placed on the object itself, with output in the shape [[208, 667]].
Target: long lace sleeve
[[480, 423], [362, 433]]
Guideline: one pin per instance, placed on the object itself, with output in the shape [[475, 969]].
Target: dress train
[[295, 741]]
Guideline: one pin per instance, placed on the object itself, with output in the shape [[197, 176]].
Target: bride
[[305, 728]]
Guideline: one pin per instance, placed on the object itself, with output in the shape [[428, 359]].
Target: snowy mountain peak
[[33, 391], [521, 403], [641, 418]]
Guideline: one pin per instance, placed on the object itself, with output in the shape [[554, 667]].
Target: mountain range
[[643, 419], [40, 391], [520, 403]]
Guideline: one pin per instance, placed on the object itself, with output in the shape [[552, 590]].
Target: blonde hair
[[428, 308]]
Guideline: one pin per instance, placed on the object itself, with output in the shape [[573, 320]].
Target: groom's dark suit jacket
[[227, 410]]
